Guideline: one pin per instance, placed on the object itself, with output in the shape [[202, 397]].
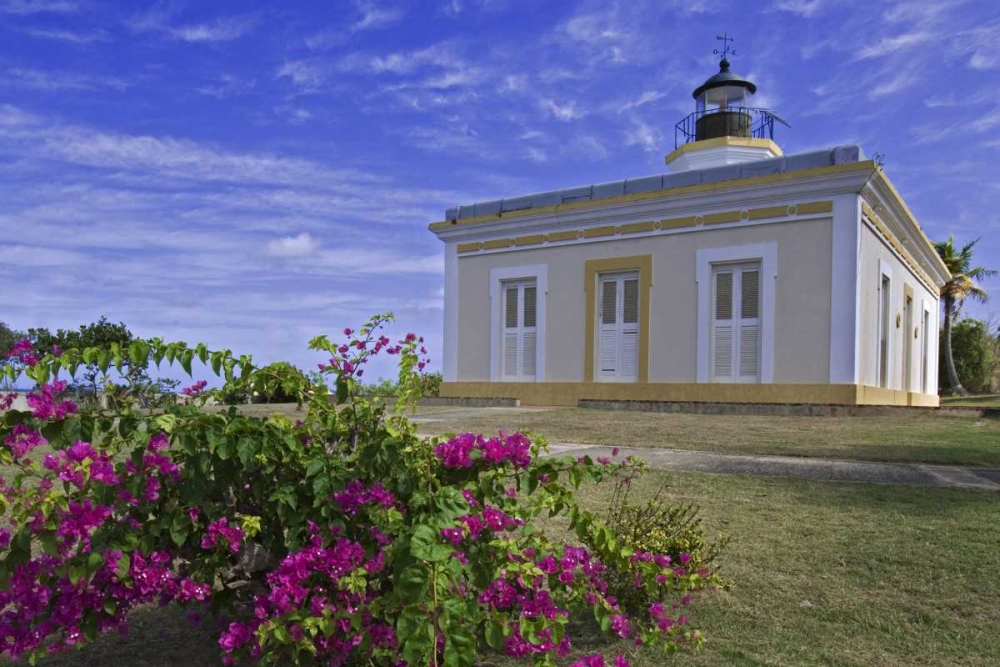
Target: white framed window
[[519, 337], [736, 331], [517, 323], [883, 368], [618, 327], [736, 292]]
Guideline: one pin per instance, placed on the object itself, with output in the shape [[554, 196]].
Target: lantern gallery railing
[[729, 122]]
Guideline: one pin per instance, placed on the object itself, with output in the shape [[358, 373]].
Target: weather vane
[[725, 39]]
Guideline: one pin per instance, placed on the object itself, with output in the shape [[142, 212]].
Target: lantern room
[[725, 127]]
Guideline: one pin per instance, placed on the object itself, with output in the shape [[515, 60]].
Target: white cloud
[[645, 98], [900, 81], [220, 30], [60, 81], [804, 8], [226, 85], [293, 246], [294, 115], [305, 74], [981, 62], [28, 7], [68, 35], [536, 154], [441, 55], [564, 112], [513, 83], [891, 45], [374, 17], [643, 135]]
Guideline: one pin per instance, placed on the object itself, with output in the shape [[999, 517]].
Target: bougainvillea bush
[[340, 539]]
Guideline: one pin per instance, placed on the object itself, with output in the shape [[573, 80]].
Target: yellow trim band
[[592, 267], [647, 226], [570, 393], [706, 144]]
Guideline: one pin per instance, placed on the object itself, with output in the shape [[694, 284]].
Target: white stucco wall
[[875, 253], [802, 301]]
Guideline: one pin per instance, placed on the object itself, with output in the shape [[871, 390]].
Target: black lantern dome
[[724, 78]]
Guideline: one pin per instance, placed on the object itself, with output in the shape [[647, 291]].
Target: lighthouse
[[725, 128]]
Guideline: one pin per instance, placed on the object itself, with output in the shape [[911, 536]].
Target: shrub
[[430, 385], [652, 530], [975, 353], [342, 538]]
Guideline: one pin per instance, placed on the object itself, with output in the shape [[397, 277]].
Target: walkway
[[824, 470]]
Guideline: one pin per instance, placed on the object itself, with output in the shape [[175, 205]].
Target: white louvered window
[[618, 327], [736, 326], [519, 336]]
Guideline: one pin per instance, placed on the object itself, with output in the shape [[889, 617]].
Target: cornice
[[887, 204], [681, 202]]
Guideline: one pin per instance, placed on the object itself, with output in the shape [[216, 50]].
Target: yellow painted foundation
[[570, 393]]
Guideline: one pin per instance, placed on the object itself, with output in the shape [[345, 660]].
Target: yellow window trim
[[592, 267]]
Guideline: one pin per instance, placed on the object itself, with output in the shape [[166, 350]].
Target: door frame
[[619, 277]]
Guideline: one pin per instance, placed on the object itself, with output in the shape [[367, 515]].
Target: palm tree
[[954, 293]]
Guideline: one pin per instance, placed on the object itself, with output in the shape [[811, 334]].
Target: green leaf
[[138, 353], [103, 360], [202, 352], [412, 584], [216, 362], [342, 390], [494, 634], [246, 448], [459, 647], [180, 528], [426, 545], [186, 358], [314, 468], [110, 607]]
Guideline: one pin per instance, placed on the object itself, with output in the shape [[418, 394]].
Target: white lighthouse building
[[742, 275]]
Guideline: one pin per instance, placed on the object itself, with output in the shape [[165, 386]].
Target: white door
[[519, 334], [618, 327], [735, 330]]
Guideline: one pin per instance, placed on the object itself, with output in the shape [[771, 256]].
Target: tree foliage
[[975, 355], [962, 285]]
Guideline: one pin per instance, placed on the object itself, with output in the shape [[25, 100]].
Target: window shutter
[[511, 314], [750, 297], [528, 340], [724, 296], [529, 306], [630, 309], [609, 304], [722, 348], [749, 351]]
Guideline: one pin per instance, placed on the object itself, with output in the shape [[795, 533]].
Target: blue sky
[[250, 174]]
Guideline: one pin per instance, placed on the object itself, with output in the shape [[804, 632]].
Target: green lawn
[[903, 437], [982, 401], [826, 574]]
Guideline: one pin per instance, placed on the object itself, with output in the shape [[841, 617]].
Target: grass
[[826, 574], [982, 401], [914, 438]]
